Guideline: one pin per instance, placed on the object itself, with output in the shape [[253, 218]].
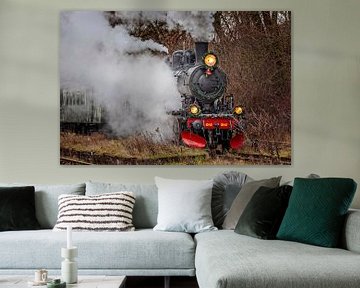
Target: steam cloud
[[199, 24], [135, 87]]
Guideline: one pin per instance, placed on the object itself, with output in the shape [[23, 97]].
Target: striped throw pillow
[[105, 212]]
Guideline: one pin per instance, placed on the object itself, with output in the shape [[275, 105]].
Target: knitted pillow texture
[[105, 212], [317, 210]]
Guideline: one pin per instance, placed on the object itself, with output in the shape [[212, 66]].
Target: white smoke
[[135, 87], [199, 24]]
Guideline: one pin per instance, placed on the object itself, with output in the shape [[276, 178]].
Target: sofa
[[218, 259]]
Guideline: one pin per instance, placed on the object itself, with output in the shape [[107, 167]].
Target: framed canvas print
[[175, 88]]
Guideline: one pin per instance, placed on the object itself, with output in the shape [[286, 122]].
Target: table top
[[84, 281]]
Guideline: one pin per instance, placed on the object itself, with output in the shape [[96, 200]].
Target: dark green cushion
[[316, 211], [17, 208], [264, 213]]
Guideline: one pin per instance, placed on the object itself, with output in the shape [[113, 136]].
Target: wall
[[326, 88]]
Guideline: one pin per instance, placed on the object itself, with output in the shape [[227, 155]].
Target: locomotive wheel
[[225, 146], [212, 152]]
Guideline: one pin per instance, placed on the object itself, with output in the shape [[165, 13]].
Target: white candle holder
[[69, 270], [69, 237]]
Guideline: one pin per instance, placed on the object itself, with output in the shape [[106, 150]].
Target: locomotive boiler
[[207, 118]]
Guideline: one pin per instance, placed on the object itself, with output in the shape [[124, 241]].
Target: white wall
[[326, 91]]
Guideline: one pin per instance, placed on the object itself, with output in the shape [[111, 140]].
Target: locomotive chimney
[[200, 49]]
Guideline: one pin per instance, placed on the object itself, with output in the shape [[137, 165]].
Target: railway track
[[70, 157], [244, 158], [72, 161], [253, 158]]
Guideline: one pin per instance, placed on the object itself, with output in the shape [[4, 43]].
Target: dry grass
[[142, 149]]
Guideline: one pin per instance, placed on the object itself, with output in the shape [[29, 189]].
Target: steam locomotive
[[207, 118]]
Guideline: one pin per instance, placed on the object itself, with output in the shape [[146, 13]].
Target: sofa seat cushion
[[142, 249], [226, 259]]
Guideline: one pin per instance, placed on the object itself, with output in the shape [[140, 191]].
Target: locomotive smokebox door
[[206, 88]]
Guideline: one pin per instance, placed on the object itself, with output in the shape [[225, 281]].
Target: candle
[[69, 239]]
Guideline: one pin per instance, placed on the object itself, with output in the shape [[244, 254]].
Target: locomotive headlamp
[[238, 110], [210, 60], [194, 109]]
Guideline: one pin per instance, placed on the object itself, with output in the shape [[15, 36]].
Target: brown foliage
[[255, 52]]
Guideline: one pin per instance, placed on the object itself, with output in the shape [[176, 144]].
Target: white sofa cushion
[[184, 205]]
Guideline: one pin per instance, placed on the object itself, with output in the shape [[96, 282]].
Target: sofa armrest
[[351, 234]]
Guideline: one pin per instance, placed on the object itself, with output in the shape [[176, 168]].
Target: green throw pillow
[[316, 211]]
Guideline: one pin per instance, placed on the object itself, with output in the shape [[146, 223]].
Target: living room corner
[[289, 223]]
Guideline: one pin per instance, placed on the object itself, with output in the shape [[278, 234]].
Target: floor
[[158, 282]]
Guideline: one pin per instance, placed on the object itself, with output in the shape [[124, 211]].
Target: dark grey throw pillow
[[263, 214], [17, 208], [225, 189], [243, 198]]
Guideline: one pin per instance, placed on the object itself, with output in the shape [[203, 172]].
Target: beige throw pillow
[[243, 198]]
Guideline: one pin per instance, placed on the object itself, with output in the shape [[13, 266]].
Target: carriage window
[[77, 96], [71, 98]]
